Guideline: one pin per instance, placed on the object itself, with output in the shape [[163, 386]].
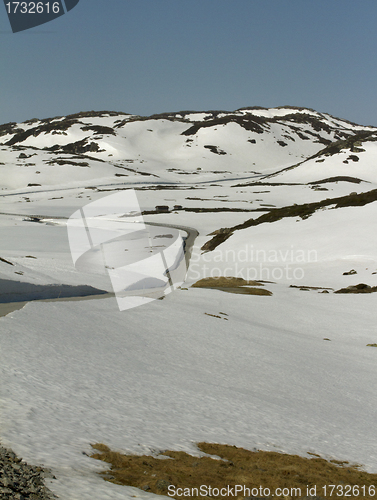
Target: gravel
[[20, 481]]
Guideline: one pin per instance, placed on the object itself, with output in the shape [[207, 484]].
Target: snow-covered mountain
[[169, 147], [286, 196]]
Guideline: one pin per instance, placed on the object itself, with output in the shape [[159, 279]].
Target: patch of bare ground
[[247, 290], [217, 316], [232, 285], [360, 288], [6, 261], [221, 209], [227, 466], [304, 287], [224, 282]]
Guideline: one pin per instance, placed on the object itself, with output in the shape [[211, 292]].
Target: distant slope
[[291, 144], [303, 211]]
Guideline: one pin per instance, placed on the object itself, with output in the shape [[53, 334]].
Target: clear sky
[[152, 56]]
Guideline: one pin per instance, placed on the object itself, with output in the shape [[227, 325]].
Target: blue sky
[[152, 56]]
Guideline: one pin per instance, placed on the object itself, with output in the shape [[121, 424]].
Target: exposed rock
[[6, 261], [162, 484], [215, 149], [352, 271], [20, 481], [360, 288]]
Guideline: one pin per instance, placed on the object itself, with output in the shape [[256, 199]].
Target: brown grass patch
[[229, 465], [224, 282], [232, 285], [245, 290]]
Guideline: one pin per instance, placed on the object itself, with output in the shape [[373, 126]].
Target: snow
[[197, 116], [158, 148], [167, 374], [286, 251], [283, 111], [257, 380], [314, 170]]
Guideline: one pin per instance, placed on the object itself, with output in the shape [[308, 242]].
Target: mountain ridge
[[249, 141]]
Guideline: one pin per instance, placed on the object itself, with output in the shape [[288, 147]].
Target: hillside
[[170, 147], [278, 358]]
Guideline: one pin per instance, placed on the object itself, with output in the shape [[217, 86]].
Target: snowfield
[[290, 372]]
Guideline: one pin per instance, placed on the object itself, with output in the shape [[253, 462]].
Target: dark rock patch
[[10, 128], [20, 481], [44, 128], [339, 178], [360, 288], [248, 122], [215, 149], [6, 261], [77, 147], [98, 129], [68, 162], [353, 158]]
